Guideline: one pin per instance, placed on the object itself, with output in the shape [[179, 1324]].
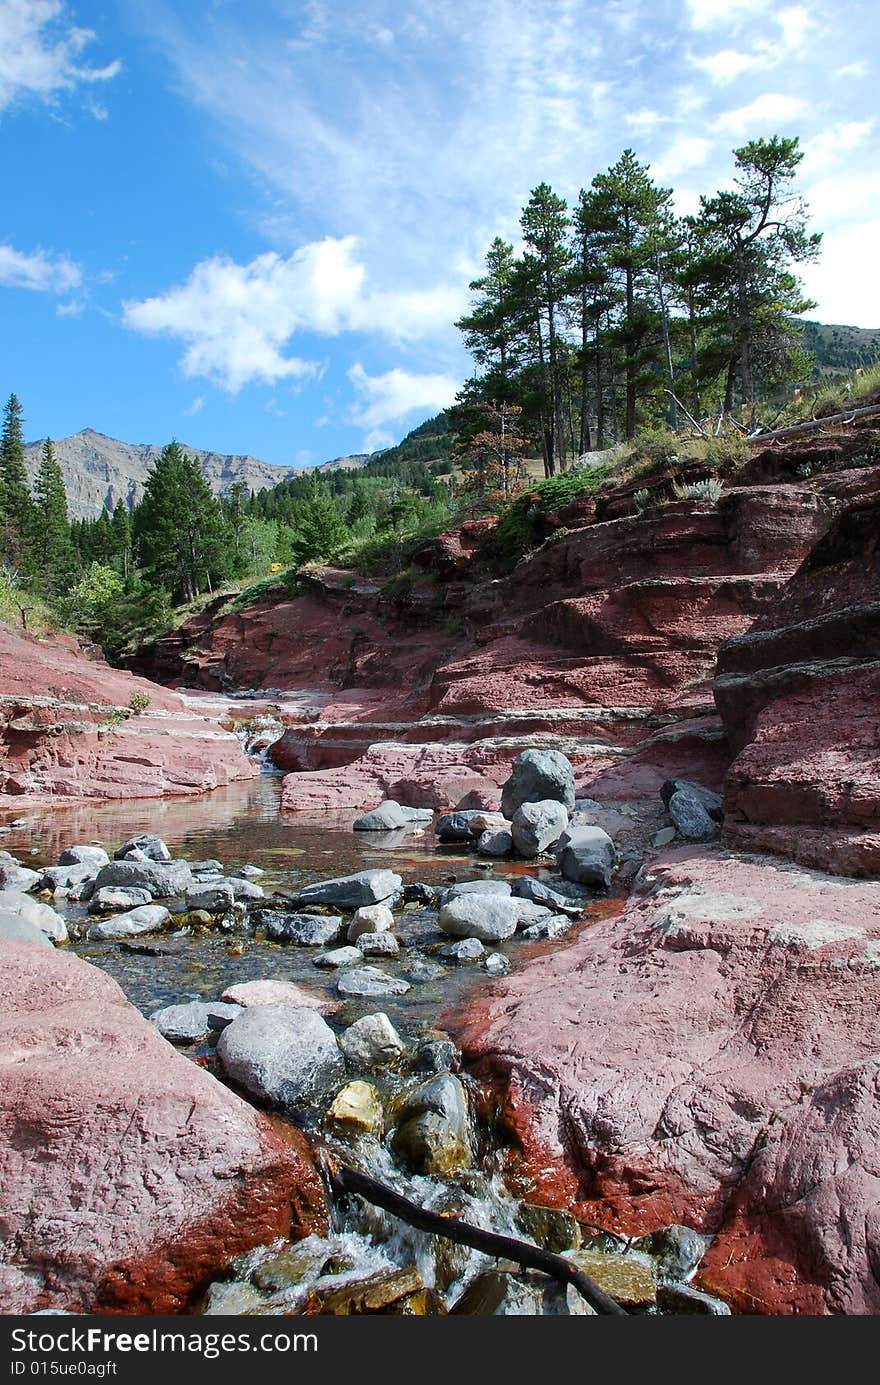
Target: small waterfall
[[257, 736]]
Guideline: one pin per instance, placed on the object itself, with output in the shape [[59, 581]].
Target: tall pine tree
[[179, 526], [16, 508], [51, 545]]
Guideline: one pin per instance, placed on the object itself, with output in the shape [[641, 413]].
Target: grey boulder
[[163, 879], [15, 929], [489, 917], [35, 912], [308, 930], [495, 843], [280, 1053], [710, 800], [371, 1041], [147, 919], [148, 844], [536, 826], [352, 891], [390, 815], [466, 887], [587, 856], [192, 1022], [369, 981], [94, 856], [465, 950], [114, 898], [538, 775], [692, 820]]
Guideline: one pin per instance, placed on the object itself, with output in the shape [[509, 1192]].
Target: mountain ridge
[[100, 470]]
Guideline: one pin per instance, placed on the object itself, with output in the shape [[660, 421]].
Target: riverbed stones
[[536, 826], [370, 982], [489, 917], [214, 899], [711, 801], [357, 1106], [147, 844], [65, 878], [587, 856], [537, 775], [269, 991], [527, 887], [550, 1227], [348, 956], [554, 927], [111, 899], [677, 1249], [664, 837], [149, 918], [692, 820], [279, 1053], [244, 890], [15, 929], [437, 1055], [191, 1022], [372, 1041], [378, 944], [163, 879], [419, 971], [385, 817], [371, 918], [34, 911], [496, 964], [501, 1293], [306, 930], [494, 842], [354, 891], [14, 877], [630, 1279], [84, 855], [433, 1133], [419, 893], [454, 827], [468, 887], [465, 950]]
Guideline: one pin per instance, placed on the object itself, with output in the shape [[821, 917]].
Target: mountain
[[838, 348], [101, 471]]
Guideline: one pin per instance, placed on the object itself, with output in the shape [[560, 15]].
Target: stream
[[405, 1271]]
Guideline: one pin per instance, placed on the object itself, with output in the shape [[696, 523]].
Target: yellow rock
[[627, 1278], [357, 1104]]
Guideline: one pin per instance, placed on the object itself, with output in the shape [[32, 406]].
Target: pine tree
[[120, 526], [319, 528], [179, 526], [16, 507], [545, 225], [52, 548]]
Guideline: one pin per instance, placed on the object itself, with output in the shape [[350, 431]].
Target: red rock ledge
[[128, 1175]]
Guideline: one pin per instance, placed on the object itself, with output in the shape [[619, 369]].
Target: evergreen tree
[[16, 507], [545, 225], [633, 219], [179, 526], [751, 238], [120, 526], [319, 529], [52, 550]]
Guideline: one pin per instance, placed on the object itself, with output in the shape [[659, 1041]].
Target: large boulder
[[35, 912], [128, 1175], [308, 930], [148, 918], [369, 982], [148, 844], [84, 855], [15, 929], [489, 917], [193, 1021], [280, 1054], [538, 775], [352, 891], [433, 1131], [390, 815], [587, 856], [536, 826], [163, 879]]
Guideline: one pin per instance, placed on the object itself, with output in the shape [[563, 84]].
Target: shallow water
[[242, 824]]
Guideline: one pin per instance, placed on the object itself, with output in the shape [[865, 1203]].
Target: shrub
[[139, 702], [115, 717], [709, 490], [642, 499]]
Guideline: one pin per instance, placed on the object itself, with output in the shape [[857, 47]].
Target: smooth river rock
[[280, 1054], [537, 775], [371, 1041], [587, 856], [163, 879], [191, 1022], [34, 911], [149, 918], [353, 891], [369, 981], [489, 917]]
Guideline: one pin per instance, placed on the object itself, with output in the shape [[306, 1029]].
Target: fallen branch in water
[[344, 1179]]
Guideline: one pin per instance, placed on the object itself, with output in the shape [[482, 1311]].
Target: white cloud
[[394, 396], [237, 319], [42, 271], [841, 282], [728, 64], [688, 151], [710, 14], [196, 406], [796, 23], [39, 48], [645, 120], [833, 146], [766, 110]]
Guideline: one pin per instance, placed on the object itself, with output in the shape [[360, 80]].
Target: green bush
[[520, 530], [139, 702]]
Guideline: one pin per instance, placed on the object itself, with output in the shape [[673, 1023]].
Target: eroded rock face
[[800, 697], [55, 741], [740, 1095], [128, 1175]]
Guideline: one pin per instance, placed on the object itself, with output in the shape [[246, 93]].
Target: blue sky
[[251, 225]]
